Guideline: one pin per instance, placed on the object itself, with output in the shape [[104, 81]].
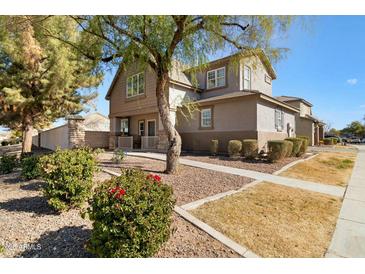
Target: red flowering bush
[[131, 215]]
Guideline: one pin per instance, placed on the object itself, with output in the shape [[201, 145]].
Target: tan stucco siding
[[266, 117], [258, 72], [230, 115], [305, 109], [121, 106], [179, 95], [232, 80], [305, 127]]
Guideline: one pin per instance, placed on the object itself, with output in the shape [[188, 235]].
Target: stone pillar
[[76, 131], [316, 135]]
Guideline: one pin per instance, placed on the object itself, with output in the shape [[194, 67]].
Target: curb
[[293, 164]]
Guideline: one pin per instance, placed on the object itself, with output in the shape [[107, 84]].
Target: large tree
[[157, 40], [41, 78], [354, 128]]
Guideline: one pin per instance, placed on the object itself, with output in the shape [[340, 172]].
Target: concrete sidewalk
[[349, 238], [306, 185]]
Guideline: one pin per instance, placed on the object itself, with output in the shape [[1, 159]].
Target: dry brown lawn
[[332, 168], [275, 221]]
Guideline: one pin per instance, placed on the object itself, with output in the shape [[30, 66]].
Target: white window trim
[[215, 77], [201, 118], [139, 128], [155, 126], [279, 127], [126, 85], [268, 79], [243, 79]]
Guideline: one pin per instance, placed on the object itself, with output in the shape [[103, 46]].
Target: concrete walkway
[[349, 237], [306, 185]]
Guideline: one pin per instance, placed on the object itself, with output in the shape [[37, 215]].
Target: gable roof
[[284, 98]]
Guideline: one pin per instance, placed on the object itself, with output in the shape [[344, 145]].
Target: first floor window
[[206, 118], [135, 85], [246, 77], [124, 126], [279, 119], [216, 78]]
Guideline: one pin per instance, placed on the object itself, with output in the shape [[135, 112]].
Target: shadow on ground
[[67, 242], [32, 186], [36, 204]]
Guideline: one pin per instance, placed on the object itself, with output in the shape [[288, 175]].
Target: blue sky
[[324, 66]]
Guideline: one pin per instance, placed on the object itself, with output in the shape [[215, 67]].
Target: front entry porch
[[137, 132]]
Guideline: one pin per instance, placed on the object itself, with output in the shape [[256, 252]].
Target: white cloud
[[352, 81]]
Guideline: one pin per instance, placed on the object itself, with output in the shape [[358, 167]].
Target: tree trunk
[[173, 137], [27, 134]]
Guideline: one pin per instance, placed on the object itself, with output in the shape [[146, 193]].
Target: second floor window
[[135, 85], [246, 77], [216, 78]]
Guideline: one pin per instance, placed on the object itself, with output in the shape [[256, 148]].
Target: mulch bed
[[30, 228], [257, 165], [190, 184]]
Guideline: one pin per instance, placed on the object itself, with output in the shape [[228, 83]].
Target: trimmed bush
[[214, 147], [8, 163], [118, 156], [289, 148], [234, 148], [30, 168], [69, 175], [297, 143], [249, 148], [277, 150], [334, 140], [328, 141], [304, 146], [131, 215]]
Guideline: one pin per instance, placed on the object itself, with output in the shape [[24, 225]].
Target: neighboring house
[[306, 123], [91, 130], [234, 97]]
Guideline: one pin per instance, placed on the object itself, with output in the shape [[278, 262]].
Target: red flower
[[120, 192], [155, 178]]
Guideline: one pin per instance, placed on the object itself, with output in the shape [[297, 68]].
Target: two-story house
[[306, 124], [233, 97]]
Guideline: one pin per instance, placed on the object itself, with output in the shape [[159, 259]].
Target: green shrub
[[297, 143], [328, 141], [234, 148], [304, 146], [214, 147], [69, 175], [277, 150], [131, 215], [334, 140], [30, 168], [8, 163], [118, 156], [249, 148], [288, 148]]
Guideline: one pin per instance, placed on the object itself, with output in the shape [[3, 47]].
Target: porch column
[[321, 132], [316, 134], [114, 132]]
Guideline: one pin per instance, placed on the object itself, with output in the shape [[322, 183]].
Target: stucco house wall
[[305, 127], [232, 119]]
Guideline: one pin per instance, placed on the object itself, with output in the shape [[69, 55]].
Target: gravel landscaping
[[257, 165], [30, 228], [190, 184]]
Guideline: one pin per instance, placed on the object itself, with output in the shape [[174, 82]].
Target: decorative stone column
[[76, 131]]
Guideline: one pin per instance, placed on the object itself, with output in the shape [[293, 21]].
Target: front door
[[151, 127]]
